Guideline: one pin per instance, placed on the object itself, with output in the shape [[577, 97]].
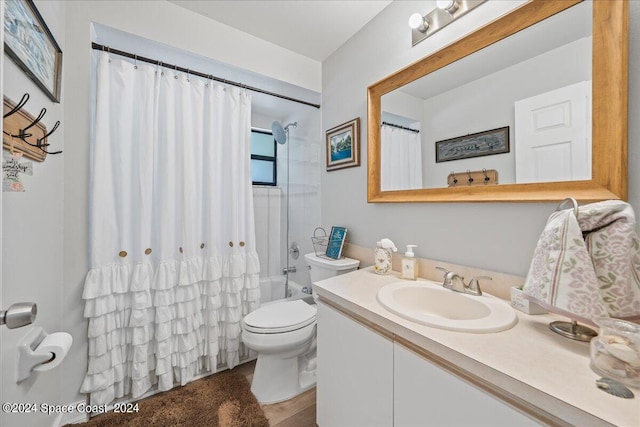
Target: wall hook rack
[[473, 178], [25, 133]]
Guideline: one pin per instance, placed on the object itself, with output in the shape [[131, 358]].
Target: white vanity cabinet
[[427, 395], [367, 380], [355, 373]]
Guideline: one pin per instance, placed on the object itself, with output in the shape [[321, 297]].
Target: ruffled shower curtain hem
[[165, 324]]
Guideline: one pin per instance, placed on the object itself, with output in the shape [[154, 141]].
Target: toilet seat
[[286, 316]]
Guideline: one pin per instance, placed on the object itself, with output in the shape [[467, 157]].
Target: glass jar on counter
[[615, 352]]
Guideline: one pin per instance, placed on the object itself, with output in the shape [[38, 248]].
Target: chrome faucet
[[452, 281], [455, 282]]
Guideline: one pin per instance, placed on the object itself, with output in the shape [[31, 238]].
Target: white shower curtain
[[401, 160], [173, 261]]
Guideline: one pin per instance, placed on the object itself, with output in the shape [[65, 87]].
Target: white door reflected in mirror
[[553, 131]]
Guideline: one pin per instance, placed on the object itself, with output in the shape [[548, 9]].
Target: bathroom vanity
[[378, 369]]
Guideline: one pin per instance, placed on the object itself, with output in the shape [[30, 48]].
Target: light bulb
[[448, 5], [417, 22]]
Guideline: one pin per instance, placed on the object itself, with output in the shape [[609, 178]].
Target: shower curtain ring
[[175, 72], [135, 62], [188, 76]]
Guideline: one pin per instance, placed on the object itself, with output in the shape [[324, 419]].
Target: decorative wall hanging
[[494, 141], [28, 41], [343, 145], [11, 168]]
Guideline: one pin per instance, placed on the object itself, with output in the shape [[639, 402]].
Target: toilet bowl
[[284, 336]]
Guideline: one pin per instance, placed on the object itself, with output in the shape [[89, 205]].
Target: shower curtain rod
[[97, 46], [400, 127]]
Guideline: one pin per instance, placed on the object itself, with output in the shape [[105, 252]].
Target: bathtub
[[272, 289]]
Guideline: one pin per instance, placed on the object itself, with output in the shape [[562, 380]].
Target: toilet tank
[[324, 268]]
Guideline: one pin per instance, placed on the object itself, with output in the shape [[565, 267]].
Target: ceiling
[[313, 28]]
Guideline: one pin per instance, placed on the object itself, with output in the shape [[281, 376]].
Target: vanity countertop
[[529, 361]]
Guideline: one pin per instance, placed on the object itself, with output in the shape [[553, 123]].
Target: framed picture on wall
[[494, 141], [30, 44], [343, 145]]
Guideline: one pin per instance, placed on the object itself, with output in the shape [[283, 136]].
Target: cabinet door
[[355, 373], [427, 395]]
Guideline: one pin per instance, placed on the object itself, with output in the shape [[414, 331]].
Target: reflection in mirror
[[401, 153], [536, 82]]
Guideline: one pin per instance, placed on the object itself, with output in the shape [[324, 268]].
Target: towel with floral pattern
[[589, 266]]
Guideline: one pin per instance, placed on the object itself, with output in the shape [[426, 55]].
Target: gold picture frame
[[343, 145]]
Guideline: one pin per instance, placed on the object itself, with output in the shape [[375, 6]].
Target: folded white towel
[[589, 266]]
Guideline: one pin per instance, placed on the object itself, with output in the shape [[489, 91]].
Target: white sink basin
[[430, 304]]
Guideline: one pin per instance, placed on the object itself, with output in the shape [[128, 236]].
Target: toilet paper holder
[[28, 355]]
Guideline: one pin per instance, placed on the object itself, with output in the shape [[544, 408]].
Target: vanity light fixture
[[445, 13]]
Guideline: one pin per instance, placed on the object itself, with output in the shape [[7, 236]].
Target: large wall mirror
[[535, 103]]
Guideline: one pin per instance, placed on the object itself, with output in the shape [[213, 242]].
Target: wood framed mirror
[[609, 93]]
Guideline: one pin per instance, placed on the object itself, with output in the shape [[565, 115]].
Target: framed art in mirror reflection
[[494, 141]]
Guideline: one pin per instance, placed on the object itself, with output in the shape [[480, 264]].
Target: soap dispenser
[[410, 264], [382, 256]]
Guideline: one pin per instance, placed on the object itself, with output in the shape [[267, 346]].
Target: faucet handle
[[474, 285], [443, 269], [447, 276]]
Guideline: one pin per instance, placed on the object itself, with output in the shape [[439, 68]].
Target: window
[[263, 158]]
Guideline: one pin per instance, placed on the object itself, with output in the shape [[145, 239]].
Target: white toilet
[[284, 336]]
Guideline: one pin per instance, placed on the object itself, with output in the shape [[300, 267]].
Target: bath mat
[[222, 400]]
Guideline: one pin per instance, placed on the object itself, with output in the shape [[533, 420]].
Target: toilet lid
[[280, 317]]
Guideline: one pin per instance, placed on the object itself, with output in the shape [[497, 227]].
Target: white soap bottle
[[410, 264]]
